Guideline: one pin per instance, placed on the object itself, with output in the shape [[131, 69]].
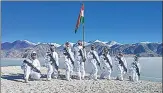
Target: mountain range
[[17, 48]]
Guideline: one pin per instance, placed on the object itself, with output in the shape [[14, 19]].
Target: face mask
[[67, 45], [52, 49], [79, 43], [92, 48], [136, 59]]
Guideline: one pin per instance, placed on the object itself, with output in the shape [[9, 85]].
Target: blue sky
[[124, 22]]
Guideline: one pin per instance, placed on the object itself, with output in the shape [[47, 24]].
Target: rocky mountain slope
[[17, 48]]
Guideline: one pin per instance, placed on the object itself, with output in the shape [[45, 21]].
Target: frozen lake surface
[[151, 67]]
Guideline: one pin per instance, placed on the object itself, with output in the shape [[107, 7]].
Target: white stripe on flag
[[82, 13]]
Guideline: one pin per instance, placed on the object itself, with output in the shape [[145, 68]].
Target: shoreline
[[12, 81]]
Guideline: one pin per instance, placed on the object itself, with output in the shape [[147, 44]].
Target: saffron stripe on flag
[[80, 18]]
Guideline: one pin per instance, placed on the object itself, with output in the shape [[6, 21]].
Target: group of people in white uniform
[[78, 55]]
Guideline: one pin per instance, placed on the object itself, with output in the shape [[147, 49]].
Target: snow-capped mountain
[[145, 42], [55, 44], [29, 42], [72, 44], [17, 44], [97, 41], [17, 48], [111, 43]]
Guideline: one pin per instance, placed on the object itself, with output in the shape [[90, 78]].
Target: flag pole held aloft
[[80, 19]]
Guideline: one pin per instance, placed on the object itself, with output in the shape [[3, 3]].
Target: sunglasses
[[34, 54]]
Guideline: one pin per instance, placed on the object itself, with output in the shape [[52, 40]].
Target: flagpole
[[83, 29], [84, 44], [83, 35]]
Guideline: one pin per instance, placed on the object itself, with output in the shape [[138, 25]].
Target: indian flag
[[80, 18]]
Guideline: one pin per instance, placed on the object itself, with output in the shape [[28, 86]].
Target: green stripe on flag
[[82, 20]]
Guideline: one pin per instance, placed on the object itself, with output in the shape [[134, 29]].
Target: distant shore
[[12, 81]]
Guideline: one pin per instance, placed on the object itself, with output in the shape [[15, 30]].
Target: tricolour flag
[[80, 18]]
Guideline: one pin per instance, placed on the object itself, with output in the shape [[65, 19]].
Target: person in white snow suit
[[69, 60], [80, 58], [52, 63], [121, 66], [106, 64], [31, 67], [94, 60], [134, 71]]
